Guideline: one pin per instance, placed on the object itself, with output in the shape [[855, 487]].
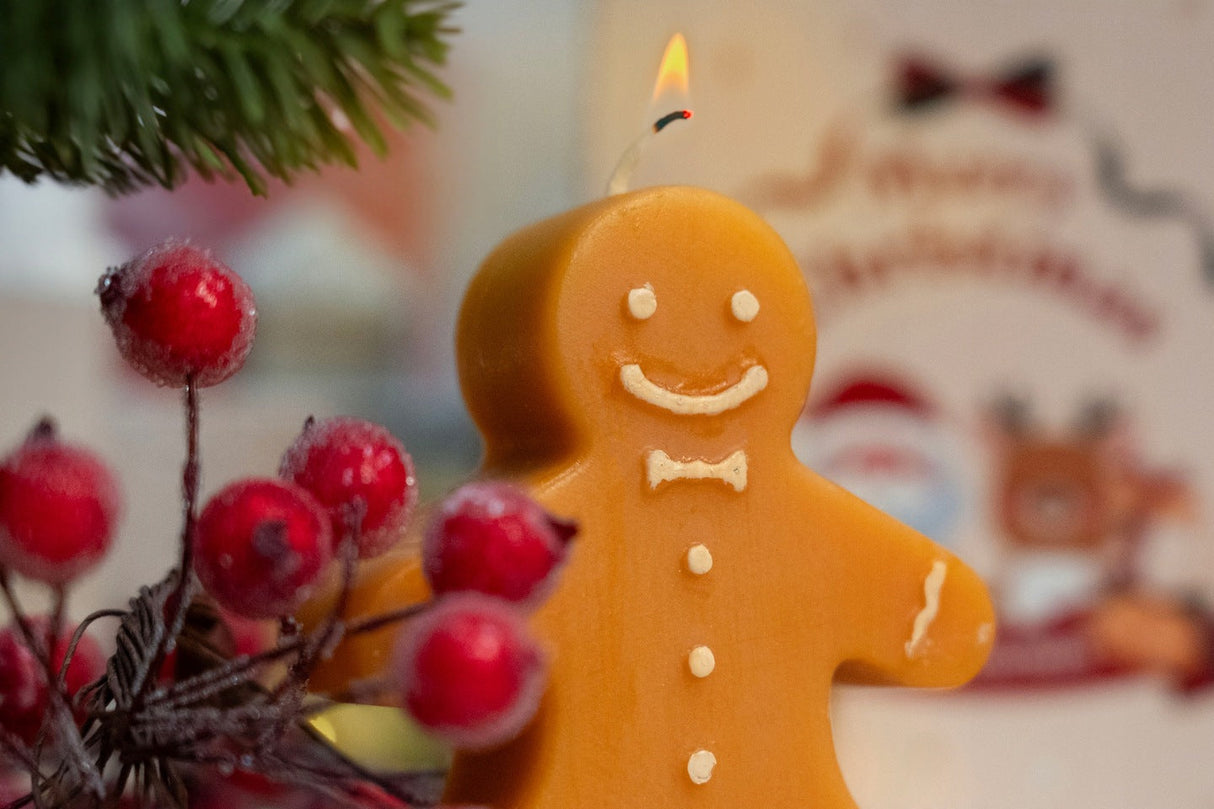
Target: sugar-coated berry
[[24, 696], [177, 311], [355, 467], [469, 670], [59, 506], [492, 538], [260, 545]]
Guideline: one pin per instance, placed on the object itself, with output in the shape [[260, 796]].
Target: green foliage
[[129, 93]]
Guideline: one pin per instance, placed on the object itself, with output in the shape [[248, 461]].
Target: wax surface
[[382, 585], [638, 365], [614, 368]]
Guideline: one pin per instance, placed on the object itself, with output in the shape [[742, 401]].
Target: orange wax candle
[[637, 364]]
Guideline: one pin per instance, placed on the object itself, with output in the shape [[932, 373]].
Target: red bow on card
[[1026, 88]]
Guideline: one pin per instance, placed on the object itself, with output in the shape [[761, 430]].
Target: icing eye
[[744, 305], [642, 303]]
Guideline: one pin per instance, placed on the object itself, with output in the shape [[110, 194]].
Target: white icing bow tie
[[660, 468]]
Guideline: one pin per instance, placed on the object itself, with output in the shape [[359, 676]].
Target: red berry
[[492, 538], [24, 697], [14, 785], [177, 311], [469, 670], [23, 694], [353, 466], [249, 636], [59, 505], [260, 545]]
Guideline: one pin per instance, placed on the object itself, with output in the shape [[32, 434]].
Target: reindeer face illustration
[[1055, 492]]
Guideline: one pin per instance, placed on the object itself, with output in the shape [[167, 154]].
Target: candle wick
[[621, 178], [670, 118]]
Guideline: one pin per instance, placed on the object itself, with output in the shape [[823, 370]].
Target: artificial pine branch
[[124, 94]]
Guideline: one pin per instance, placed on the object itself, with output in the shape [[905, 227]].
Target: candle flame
[[673, 74], [670, 90]]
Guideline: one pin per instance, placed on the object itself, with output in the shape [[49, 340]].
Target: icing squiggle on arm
[[931, 606]]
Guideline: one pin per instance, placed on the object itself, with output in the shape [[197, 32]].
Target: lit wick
[[622, 176]]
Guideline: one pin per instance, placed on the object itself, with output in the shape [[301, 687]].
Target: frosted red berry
[[492, 538], [177, 311], [355, 468], [24, 696], [59, 506], [260, 546], [469, 671]]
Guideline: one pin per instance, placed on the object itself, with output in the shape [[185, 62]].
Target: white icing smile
[[686, 404]]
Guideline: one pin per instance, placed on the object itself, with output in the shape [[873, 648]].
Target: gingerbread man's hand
[[921, 617]]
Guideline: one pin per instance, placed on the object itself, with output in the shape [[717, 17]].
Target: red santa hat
[[871, 390]]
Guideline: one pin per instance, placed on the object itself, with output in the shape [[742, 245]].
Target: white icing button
[[642, 302], [699, 766], [744, 305], [699, 559], [701, 661]]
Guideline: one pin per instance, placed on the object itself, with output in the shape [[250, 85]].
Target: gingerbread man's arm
[[390, 582], [917, 615]]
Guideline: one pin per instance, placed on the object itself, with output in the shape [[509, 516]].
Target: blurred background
[[1004, 210]]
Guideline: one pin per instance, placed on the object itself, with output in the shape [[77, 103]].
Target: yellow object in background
[[382, 739]]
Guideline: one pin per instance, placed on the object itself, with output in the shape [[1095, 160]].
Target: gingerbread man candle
[[638, 365]]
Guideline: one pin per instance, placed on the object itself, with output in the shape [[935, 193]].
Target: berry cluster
[[469, 671], [194, 681]]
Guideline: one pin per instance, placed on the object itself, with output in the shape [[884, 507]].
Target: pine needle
[[124, 94]]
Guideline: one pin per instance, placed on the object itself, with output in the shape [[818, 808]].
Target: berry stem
[[119, 785], [18, 749], [60, 714], [322, 641], [58, 607], [20, 616], [319, 643], [189, 487], [179, 600], [75, 641], [375, 622], [204, 685], [44, 430]]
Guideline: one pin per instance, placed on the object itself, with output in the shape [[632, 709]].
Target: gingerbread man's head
[[670, 313]]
